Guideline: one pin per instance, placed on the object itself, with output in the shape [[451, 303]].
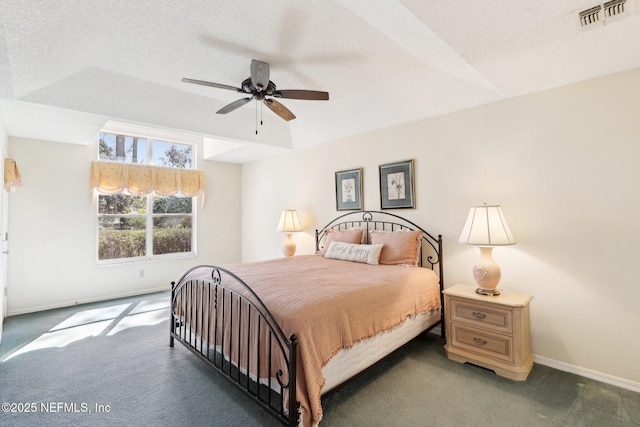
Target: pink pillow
[[352, 235], [400, 247]]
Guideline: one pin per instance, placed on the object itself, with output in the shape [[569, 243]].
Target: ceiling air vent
[[613, 8], [590, 16], [602, 14]]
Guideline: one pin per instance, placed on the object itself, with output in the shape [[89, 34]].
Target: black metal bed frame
[[201, 307]]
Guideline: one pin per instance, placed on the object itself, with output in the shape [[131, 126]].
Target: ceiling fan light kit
[[258, 87]]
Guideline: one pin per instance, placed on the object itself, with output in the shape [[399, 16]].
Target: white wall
[[564, 166], [53, 229]]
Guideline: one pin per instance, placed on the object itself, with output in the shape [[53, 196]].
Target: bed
[[288, 330]]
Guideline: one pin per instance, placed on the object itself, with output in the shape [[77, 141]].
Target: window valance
[[12, 179], [114, 178]]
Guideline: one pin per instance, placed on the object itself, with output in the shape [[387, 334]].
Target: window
[[133, 227], [136, 150]]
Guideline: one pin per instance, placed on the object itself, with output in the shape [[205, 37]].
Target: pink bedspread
[[331, 305]]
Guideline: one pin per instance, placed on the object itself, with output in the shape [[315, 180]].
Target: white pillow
[[369, 254]]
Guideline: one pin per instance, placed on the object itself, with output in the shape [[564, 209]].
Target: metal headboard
[[385, 221]]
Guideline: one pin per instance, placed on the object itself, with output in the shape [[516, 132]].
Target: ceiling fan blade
[[259, 74], [279, 109], [233, 106], [313, 95], [211, 84]]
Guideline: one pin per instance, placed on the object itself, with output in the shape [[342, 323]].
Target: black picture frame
[[349, 190], [397, 185]]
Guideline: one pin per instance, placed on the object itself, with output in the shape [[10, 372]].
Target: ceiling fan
[[260, 88]]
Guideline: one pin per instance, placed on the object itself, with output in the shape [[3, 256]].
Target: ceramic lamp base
[[289, 246], [487, 273]]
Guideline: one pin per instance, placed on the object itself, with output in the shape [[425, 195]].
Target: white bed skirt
[[350, 362]]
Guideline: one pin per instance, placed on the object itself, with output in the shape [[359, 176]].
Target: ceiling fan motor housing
[[248, 87]]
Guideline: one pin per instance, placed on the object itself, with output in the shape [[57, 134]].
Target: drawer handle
[[479, 341], [479, 315]]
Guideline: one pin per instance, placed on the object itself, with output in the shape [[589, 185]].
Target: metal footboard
[[219, 318]]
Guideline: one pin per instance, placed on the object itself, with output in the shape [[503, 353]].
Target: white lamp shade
[[486, 226], [289, 222]]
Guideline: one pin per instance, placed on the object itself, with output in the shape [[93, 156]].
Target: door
[[4, 254]]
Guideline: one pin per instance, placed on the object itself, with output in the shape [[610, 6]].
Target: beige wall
[[53, 231], [563, 165]]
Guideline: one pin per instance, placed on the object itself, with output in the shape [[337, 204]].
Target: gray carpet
[[109, 364]]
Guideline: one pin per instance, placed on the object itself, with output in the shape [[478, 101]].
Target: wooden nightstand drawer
[[483, 316], [495, 346], [489, 331]]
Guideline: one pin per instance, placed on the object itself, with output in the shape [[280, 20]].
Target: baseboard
[[86, 301], [583, 372], [598, 376]]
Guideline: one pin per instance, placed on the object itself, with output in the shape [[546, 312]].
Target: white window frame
[[150, 215]]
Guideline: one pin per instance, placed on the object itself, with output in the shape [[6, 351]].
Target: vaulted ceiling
[[69, 66]]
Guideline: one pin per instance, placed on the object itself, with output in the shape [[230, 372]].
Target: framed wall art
[[396, 185], [349, 190]]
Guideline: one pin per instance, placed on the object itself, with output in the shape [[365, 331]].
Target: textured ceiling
[[69, 66]]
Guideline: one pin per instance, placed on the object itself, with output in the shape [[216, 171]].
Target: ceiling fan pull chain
[[256, 117]]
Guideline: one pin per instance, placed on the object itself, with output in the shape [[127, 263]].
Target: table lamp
[[486, 227], [289, 223]]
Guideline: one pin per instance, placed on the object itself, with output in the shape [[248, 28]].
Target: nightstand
[[489, 331]]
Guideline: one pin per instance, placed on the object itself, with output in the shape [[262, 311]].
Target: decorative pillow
[[352, 235], [352, 252], [400, 247]]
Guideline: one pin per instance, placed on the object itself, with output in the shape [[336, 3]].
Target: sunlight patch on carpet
[[105, 321]]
